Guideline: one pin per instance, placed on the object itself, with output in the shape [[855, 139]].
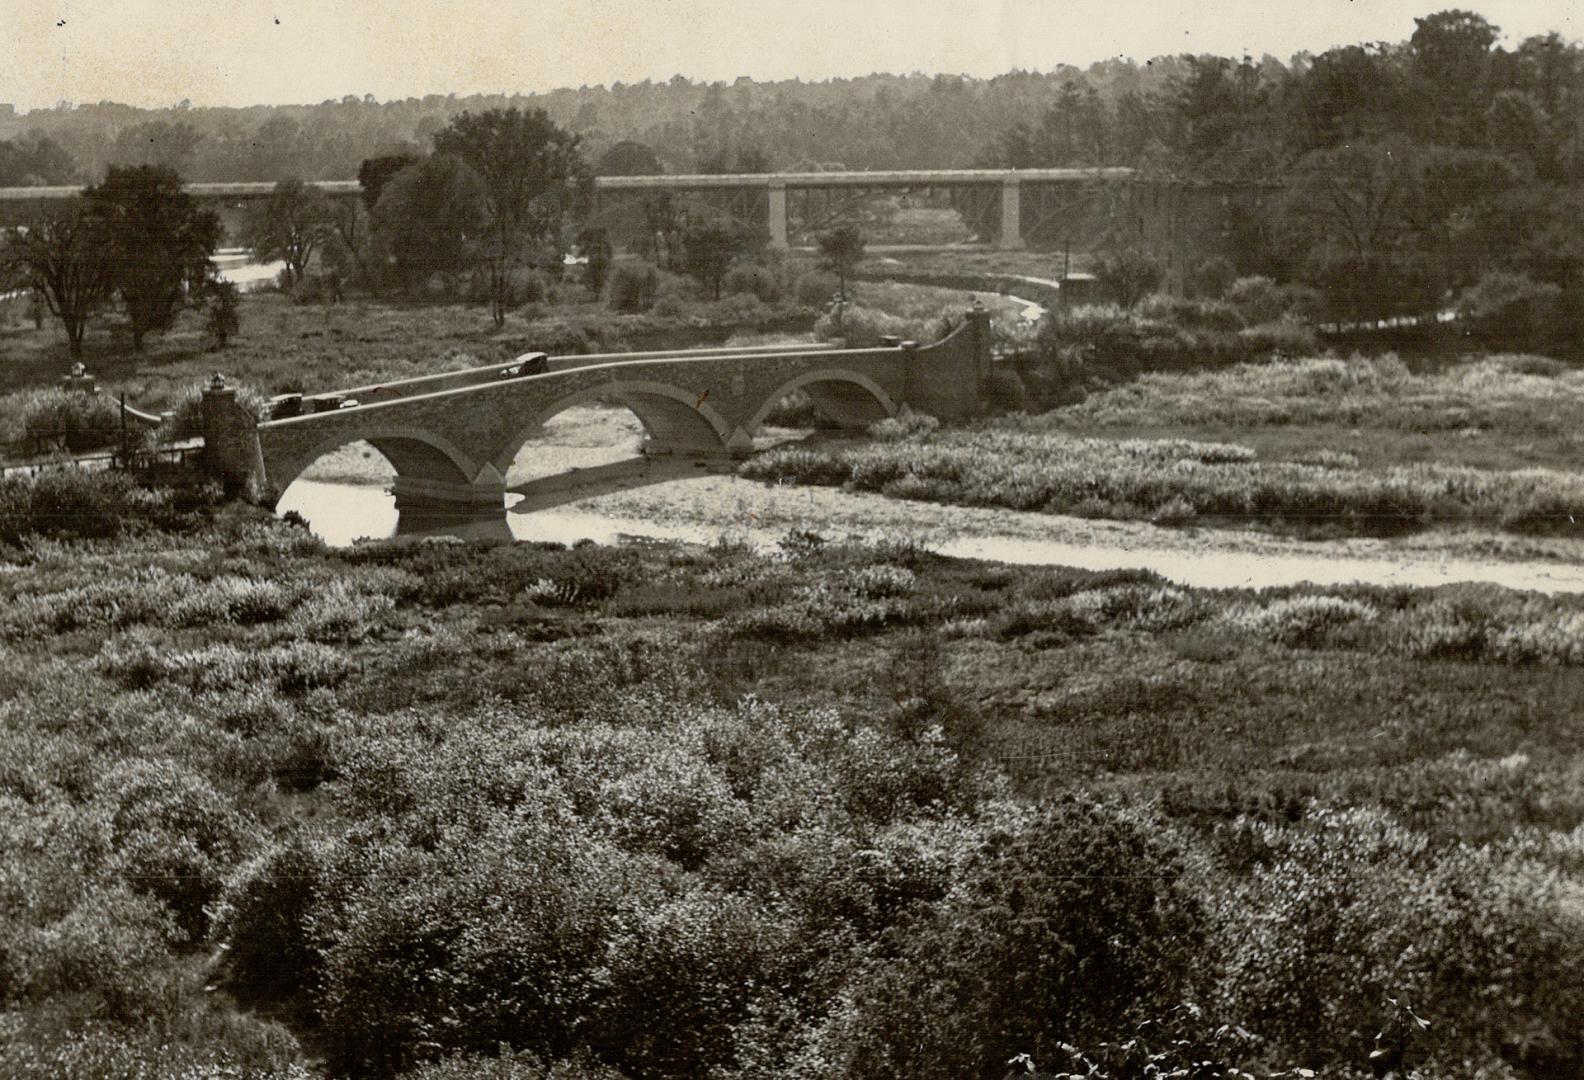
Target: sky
[[244, 52]]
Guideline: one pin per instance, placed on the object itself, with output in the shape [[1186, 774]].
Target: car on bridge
[[534, 363]]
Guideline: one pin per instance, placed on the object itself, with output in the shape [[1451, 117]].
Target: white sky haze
[[243, 52]]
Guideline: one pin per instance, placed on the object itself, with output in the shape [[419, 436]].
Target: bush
[[175, 837], [495, 935], [70, 420], [263, 917], [1258, 299], [863, 327], [753, 279], [1211, 278], [186, 421], [1507, 310], [632, 287], [1347, 908], [73, 503], [1128, 275], [1037, 946], [814, 288]]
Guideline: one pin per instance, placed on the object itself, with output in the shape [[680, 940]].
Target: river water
[[343, 513]]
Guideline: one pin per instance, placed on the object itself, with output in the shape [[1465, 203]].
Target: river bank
[[343, 497]]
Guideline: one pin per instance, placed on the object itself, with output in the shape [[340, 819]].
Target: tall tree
[[428, 220], [157, 241], [60, 256], [376, 172], [841, 250], [290, 225], [531, 172], [709, 246]]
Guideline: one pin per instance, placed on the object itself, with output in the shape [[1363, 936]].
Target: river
[[706, 509]]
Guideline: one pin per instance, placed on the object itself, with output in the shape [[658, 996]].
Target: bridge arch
[[415, 454], [850, 398], [673, 418]]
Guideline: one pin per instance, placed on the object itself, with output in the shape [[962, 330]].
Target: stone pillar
[[231, 451], [1011, 213], [778, 214], [79, 379], [978, 319]]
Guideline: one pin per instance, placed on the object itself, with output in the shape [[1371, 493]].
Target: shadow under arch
[[415, 454], [850, 398], [674, 419]]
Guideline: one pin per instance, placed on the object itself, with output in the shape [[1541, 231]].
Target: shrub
[[1258, 299], [683, 975], [186, 420], [1211, 278], [112, 945], [509, 1064], [263, 918], [906, 424], [1036, 947], [222, 299], [1348, 908], [422, 948], [70, 420], [175, 837], [1301, 621], [752, 279], [73, 503], [814, 288], [632, 287], [862, 327], [1128, 274], [1509, 310]]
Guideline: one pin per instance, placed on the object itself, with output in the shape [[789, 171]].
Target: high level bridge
[[1006, 206], [453, 437]]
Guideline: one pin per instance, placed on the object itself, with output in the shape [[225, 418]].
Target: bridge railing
[[691, 356], [488, 374]]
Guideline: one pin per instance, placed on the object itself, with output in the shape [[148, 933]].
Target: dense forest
[[1439, 172], [1449, 84]]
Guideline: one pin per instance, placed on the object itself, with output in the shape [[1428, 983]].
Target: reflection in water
[[342, 513]]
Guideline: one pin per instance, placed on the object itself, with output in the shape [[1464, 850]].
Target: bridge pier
[[778, 214], [1011, 213], [425, 494]]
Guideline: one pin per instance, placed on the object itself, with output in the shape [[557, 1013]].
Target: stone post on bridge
[[231, 451], [78, 379]]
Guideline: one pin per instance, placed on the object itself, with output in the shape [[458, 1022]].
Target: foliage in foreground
[[651, 813]]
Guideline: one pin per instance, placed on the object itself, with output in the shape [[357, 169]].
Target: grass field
[[273, 807]]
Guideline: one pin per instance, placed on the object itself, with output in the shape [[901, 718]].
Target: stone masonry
[[451, 447]]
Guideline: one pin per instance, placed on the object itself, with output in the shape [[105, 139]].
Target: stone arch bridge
[[453, 437]]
